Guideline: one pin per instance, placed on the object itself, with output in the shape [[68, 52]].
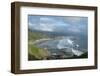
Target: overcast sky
[[71, 24]]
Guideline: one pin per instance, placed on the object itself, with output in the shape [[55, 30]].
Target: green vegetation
[[34, 52], [32, 36], [37, 53], [85, 55]]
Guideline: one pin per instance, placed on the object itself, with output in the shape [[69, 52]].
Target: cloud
[[47, 24], [46, 19], [44, 27], [41, 27], [74, 19], [74, 30], [58, 24]]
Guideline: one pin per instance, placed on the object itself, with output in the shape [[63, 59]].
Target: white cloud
[[45, 19], [53, 24], [44, 27], [30, 24], [73, 19], [41, 26], [74, 29]]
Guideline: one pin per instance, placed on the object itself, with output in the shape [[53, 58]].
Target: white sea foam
[[65, 43], [77, 52]]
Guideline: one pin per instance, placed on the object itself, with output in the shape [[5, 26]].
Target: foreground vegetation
[[34, 52], [37, 53], [32, 36]]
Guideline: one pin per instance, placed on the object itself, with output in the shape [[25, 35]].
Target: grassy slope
[[34, 52], [35, 36]]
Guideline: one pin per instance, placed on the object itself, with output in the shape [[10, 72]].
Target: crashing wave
[[65, 43], [61, 45], [69, 44], [77, 52]]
